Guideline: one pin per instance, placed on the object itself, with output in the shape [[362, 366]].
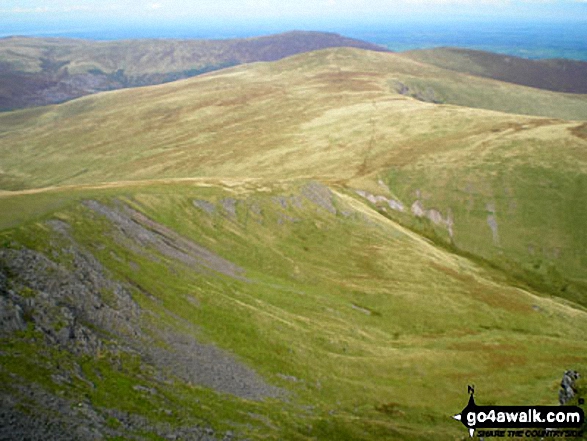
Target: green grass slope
[[340, 258], [370, 331], [302, 115], [512, 186], [558, 75], [519, 204]]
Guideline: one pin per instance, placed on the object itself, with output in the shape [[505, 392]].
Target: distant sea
[[535, 40], [530, 40]]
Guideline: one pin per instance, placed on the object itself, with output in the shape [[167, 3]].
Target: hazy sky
[[283, 10], [214, 17]]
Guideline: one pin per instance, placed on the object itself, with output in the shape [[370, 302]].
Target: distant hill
[[557, 75], [40, 71]]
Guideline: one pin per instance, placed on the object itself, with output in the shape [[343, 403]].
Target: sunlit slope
[[362, 324], [519, 203], [332, 113], [513, 187]]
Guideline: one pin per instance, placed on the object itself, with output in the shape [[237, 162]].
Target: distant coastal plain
[[533, 40]]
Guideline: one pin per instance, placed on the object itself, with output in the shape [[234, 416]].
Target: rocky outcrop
[[492, 222], [145, 233], [35, 415], [320, 195], [72, 303], [434, 215], [568, 389], [427, 95], [66, 305], [375, 199]]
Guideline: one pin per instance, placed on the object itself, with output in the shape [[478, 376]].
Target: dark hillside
[[557, 75]]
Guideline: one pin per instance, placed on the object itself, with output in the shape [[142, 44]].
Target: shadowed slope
[[557, 75]]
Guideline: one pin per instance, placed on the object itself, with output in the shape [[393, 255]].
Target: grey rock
[[229, 206], [210, 366], [374, 199], [280, 200], [320, 195], [145, 233], [11, 316], [568, 390], [435, 216], [208, 207]]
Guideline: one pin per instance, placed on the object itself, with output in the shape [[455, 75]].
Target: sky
[[33, 17], [217, 11]]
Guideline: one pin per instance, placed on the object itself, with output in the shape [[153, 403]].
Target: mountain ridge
[[40, 71], [337, 116]]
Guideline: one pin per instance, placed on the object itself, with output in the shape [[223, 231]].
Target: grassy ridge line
[[428, 82], [149, 56], [372, 321], [45, 71], [200, 181]]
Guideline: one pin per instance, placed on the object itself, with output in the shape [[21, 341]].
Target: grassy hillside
[[39, 71], [300, 116], [353, 325], [558, 75], [336, 116], [302, 249]]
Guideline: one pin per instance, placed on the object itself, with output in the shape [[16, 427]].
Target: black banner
[[520, 417]]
